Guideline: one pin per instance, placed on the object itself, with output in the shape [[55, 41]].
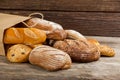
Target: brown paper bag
[[6, 21]]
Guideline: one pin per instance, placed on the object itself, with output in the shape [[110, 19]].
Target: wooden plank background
[[90, 17]]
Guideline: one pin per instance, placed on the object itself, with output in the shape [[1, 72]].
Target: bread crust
[[79, 51], [28, 36], [18, 53], [49, 58]]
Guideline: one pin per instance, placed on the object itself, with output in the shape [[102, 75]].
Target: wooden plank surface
[[62, 5], [88, 23], [104, 69]]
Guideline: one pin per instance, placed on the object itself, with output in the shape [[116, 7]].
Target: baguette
[[43, 24], [28, 36]]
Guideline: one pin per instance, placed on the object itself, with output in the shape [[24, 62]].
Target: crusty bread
[[49, 58], [26, 36], [18, 53], [106, 51], [79, 50], [93, 41], [57, 34], [73, 34], [43, 24]]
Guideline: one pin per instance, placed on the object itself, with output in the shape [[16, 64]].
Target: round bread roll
[[28, 36], [18, 53], [106, 51], [43, 24], [79, 50], [49, 58]]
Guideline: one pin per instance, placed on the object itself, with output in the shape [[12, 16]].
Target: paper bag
[[6, 21]]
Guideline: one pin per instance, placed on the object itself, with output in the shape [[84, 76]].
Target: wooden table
[[104, 69]]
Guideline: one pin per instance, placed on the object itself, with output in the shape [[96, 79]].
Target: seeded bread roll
[[79, 50], [18, 53], [49, 58], [28, 36]]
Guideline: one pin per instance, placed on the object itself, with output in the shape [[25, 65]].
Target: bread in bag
[[43, 24], [28, 36]]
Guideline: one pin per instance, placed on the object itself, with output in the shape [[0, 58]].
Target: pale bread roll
[[49, 58], [73, 34]]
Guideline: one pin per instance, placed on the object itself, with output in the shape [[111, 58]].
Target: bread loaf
[[104, 49], [26, 36], [43, 24], [72, 34], [49, 58], [79, 50], [18, 53], [57, 35]]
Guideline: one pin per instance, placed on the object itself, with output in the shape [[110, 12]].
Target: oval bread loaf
[[26, 36], [18, 53], [43, 24], [79, 50], [57, 35], [49, 58]]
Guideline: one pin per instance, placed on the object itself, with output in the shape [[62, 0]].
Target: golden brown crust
[[106, 51], [26, 36], [18, 53], [93, 41], [49, 58], [79, 51]]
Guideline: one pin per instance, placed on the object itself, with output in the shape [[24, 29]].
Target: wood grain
[[106, 68], [62, 5], [88, 23]]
